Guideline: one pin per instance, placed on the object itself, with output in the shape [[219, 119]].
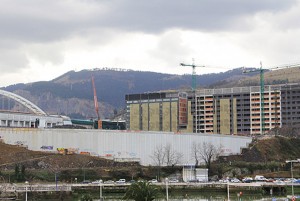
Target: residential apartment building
[[237, 110]]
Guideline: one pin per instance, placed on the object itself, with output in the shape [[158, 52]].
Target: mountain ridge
[[72, 94]]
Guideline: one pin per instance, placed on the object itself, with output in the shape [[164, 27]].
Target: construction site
[[229, 111], [227, 118], [251, 110], [38, 131]]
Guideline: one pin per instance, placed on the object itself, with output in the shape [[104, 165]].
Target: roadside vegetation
[[142, 191]]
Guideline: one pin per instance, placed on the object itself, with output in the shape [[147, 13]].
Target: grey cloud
[[39, 21], [27, 23], [205, 15], [170, 46], [11, 60], [47, 53], [36, 21]]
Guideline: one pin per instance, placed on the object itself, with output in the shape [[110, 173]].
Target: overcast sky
[[42, 39]]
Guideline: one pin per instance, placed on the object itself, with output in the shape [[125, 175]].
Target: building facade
[[22, 120], [238, 110], [165, 111]]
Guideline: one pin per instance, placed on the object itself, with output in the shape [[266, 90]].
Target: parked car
[[247, 180], [297, 181], [270, 180], [278, 180], [121, 181], [224, 180], [259, 178], [173, 181], [153, 181], [193, 181], [97, 181], [235, 180], [109, 182], [86, 182]]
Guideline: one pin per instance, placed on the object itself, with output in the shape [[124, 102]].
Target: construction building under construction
[[237, 110]]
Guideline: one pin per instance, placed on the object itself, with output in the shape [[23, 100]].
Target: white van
[[260, 178]]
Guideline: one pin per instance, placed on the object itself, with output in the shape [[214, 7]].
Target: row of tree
[[205, 152]]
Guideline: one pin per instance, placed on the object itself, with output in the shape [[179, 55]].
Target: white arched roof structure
[[35, 109]]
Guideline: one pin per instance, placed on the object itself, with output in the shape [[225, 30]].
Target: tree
[[165, 156], [22, 176], [17, 172], [158, 157], [206, 152], [86, 197], [195, 154], [172, 157], [142, 191]]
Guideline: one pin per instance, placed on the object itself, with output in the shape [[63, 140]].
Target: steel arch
[[35, 109]]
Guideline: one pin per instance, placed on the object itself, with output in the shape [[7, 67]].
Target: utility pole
[[193, 73]]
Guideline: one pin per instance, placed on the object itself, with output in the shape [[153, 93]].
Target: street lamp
[[83, 175], [91, 162], [100, 185], [228, 194], [26, 184], [292, 161], [55, 181], [167, 192]]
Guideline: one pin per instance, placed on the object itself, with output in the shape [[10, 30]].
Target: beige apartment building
[[237, 110]]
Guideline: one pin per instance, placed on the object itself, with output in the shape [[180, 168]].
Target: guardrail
[[68, 187], [35, 188]]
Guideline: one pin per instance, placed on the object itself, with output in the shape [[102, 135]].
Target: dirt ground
[[12, 155]]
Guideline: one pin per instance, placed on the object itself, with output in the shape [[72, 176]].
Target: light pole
[[91, 162], [100, 185], [26, 184], [292, 161], [55, 181], [228, 194], [83, 175], [167, 192]]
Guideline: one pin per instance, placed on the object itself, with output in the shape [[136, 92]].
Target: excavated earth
[[12, 155]]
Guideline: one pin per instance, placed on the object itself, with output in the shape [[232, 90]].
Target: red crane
[[96, 104]]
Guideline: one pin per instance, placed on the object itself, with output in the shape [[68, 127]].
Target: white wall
[[119, 144]]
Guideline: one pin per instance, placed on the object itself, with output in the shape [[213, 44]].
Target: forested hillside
[[72, 93]]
